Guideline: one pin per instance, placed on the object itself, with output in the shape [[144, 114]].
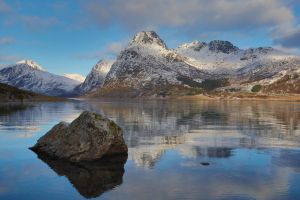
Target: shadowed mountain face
[[91, 179]]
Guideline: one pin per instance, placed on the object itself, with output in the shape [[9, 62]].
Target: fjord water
[[177, 150]]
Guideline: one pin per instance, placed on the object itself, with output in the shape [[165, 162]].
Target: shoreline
[[243, 97], [210, 97]]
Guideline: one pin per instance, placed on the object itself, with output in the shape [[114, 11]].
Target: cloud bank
[[197, 16], [6, 40], [213, 14]]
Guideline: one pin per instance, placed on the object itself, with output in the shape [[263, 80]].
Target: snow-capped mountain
[[148, 67], [28, 75], [95, 78]]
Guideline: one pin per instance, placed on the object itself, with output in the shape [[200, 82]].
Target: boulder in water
[[88, 138]]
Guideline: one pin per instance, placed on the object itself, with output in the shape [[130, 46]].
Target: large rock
[[87, 138]]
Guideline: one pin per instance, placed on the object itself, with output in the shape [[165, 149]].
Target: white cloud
[[9, 58], [289, 38], [6, 40], [289, 50], [197, 14], [4, 7], [115, 48], [12, 15], [196, 17], [111, 51], [90, 55], [37, 22]]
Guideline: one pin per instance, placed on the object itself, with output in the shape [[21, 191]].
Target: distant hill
[[28, 75], [9, 94]]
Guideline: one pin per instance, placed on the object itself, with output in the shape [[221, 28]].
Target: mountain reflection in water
[[252, 149]]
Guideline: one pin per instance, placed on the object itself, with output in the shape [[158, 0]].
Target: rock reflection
[[91, 179], [219, 152]]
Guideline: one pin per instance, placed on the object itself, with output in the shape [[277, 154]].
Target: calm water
[[252, 148]]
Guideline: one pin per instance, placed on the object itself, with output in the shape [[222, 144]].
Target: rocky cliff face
[[222, 46]]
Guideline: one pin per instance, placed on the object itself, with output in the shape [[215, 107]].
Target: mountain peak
[[222, 46], [31, 64], [148, 37]]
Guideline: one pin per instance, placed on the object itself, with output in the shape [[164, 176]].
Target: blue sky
[[71, 36]]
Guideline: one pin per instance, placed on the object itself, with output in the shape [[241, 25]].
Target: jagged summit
[[31, 64], [146, 38], [222, 46], [217, 46]]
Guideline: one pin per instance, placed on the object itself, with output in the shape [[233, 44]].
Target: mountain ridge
[[147, 67]]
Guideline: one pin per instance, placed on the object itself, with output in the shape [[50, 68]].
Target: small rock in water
[[87, 138], [205, 163]]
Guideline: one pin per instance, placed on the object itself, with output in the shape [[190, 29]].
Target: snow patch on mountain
[[76, 77]]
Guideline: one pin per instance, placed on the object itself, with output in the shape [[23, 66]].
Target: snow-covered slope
[[30, 76], [95, 78], [223, 58], [76, 77], [147, 65]]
